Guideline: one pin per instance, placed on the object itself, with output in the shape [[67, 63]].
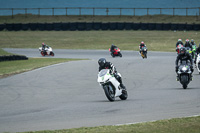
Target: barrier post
[[25, 12], [147, 11], [66, 11], [186, 11], [120, 12], [93, 12], [38, 12], [160, 11], [134, 11], [52, 11], [12, 12], [173, 11], [79, 11], [107, 11]]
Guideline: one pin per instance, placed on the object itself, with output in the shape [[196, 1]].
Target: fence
[[83, 26], [100, 11]]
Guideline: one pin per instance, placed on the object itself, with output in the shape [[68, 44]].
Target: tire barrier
[[13, 57], [82, 26]]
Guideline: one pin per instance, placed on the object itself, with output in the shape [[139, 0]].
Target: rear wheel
[[110, 93], [185, 86], [42, 53]]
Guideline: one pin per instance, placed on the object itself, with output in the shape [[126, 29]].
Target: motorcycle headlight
[[184, 69]]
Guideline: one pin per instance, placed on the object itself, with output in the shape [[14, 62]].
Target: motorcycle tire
[[184, 80], [110, 93], [42, 53], [52, 54], [120, 55], [124, 95]]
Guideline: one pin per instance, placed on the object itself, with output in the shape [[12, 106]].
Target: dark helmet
[[102, 62], [182, 50], [192, 41]]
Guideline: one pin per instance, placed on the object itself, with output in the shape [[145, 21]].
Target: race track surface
[[67, 95]]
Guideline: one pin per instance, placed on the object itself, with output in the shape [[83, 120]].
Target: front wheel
[[184, 81], [52, 54], [110, 93], [120, 55], [124, 95]]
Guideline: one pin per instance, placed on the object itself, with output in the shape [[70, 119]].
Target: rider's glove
[[192, 69]]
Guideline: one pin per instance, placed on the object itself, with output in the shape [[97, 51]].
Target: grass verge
[[14, 67], [125, 40], [176, 125], [20, 18]]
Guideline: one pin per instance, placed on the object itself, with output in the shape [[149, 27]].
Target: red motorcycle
[[116, 52], [178, 48]]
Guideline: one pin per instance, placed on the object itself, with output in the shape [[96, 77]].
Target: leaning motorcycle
[[48, 51], [198, 63], [184, 74], [116, 52], [111, 86], [144, 52]]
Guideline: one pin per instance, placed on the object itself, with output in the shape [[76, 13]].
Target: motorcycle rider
[[197, 52], [103, 64], [112, 48], [187, 44], [44, 46], [192, 42], [141, 45], [184, 56], [179, 42]]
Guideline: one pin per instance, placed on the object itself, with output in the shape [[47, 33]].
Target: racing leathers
[[109, 65], [140, 46]]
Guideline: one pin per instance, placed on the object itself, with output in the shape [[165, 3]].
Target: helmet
[[192, 40], [182, 50], [142, 42], [42, 43], [102, 62], [187, 40], [179, 40]]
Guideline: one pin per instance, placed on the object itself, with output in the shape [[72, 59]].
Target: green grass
[[2, 52], [14, 67], [145, 19], [125, 40], [176, 125]]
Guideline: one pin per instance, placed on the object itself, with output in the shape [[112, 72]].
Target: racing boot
[[177, 78], [122, 86]]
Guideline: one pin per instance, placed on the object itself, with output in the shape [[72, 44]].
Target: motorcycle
[[48, 51], [198, 63], [116, 52], [184, 74], [111, 86], [144, 52], [178, 48]]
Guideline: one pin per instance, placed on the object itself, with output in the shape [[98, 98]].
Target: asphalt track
[[67, 95]]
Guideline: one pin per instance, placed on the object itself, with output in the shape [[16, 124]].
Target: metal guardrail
[[105, 11]]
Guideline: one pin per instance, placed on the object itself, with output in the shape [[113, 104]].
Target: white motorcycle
[[48, 51], [198, 63], [111, 85]]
